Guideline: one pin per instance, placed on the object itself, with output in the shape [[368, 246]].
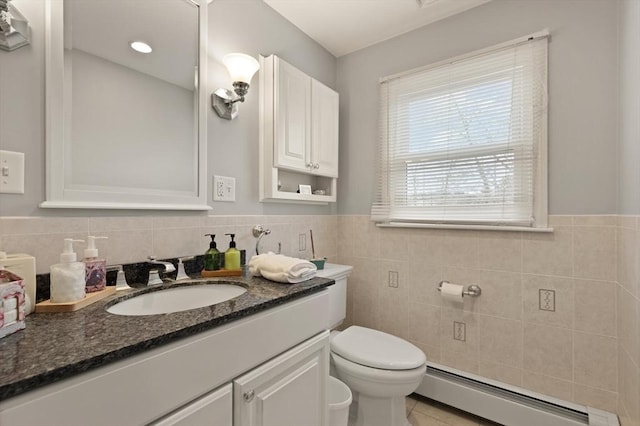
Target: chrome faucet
[[168, 266]]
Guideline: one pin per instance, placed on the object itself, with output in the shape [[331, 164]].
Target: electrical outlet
[[459, 331], [11, 172], [224, 188], [302, 242], [547, 300], [393, 279]]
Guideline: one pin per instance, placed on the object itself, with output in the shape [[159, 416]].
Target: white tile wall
[[571, 353], [587, 351], [628, 320], [132, 239]]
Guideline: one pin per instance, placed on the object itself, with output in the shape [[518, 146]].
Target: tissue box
[[11, 303]]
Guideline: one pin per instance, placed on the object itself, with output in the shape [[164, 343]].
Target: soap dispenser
[[67, 277], [232, 255], [213, 260], [95, 267]]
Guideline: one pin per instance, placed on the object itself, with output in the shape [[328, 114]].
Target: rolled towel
[[280, 268]]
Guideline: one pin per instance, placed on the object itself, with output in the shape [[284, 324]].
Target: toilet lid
[[376, 349]]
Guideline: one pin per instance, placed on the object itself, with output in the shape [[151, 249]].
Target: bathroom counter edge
[[57, 346]]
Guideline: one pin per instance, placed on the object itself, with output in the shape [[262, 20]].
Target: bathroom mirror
[[125, 129]]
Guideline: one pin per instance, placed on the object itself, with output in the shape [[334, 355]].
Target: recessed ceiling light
[[141, 46]]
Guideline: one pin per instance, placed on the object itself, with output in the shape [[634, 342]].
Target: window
[[464, 142]]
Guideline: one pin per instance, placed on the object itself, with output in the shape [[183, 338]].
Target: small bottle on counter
[[213, 260], [232, 255], [68, 276], [95, 268]]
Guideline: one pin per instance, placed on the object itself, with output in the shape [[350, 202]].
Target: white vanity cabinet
[[298, 134], [213, 409], [288, 390], [280, 353]]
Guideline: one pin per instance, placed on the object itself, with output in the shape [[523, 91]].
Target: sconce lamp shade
[[241, 67]]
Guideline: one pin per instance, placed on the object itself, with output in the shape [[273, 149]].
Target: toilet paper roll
[[451, 292]]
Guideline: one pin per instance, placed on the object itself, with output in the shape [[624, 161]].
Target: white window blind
[[465, 141]]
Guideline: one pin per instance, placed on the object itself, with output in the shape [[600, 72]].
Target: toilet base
[[368, 411]]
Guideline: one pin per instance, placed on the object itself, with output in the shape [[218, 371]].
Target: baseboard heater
[[506, 404]]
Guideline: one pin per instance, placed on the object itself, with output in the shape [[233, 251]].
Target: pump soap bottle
[[95, 268], [67, 277], [232, 255], [213, 260]]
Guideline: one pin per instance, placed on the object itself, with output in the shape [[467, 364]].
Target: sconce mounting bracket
[[223, 102], [14, 27]]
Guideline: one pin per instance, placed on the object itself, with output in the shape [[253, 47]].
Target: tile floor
[[426, 412]]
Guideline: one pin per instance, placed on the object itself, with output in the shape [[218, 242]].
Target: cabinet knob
[[316, 166], [310, 165], [248, 396]]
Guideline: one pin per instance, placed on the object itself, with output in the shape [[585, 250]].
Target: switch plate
[[393, 279], [11, 172], [459, 331], [224, 188], [547, 300]]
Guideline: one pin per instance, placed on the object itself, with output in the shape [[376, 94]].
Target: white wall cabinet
[[292, 114], [288, 390], [324, 130], [298, 134]]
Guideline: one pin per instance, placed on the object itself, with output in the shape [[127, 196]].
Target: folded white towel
[[280, 268]]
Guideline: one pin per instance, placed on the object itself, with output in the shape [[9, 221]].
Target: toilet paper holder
[[473, 290]]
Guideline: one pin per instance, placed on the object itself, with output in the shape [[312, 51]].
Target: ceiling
[[344, 26]]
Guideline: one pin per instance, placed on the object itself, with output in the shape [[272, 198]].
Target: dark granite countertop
[[60, 345]]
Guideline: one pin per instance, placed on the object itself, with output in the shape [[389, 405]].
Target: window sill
[[462, 226]]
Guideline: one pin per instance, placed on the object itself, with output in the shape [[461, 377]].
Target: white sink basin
[[177, 299]]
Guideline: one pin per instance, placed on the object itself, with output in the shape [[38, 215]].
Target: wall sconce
[[14, 28], [241, 68]]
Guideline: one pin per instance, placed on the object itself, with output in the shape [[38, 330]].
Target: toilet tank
[[337, 292]]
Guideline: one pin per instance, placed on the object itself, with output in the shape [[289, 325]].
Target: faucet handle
[[182, 275], [154, 277]]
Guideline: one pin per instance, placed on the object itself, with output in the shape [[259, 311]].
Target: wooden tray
[[47, 306], [221, 273]]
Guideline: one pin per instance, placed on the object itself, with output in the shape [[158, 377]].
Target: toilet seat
[[375, 349], [387, 378]]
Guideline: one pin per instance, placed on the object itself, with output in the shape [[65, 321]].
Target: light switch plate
[[11, 172], [224, 188]]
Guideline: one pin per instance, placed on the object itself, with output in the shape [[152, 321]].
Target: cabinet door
[[324, 130], [289, 390], [213, 409], [292, 117]]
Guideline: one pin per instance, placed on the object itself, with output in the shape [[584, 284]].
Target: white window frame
[[389, 215]]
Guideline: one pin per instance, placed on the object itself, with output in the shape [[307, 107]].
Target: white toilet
[[380, 369]]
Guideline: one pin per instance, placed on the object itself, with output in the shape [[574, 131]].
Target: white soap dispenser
[[95, 267], [68, 277]]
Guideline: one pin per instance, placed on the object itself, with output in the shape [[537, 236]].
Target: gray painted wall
[[247, 26], [582, 119], [582, 92], [629, 109]]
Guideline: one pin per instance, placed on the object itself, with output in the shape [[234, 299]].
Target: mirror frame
[[57, 196]]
